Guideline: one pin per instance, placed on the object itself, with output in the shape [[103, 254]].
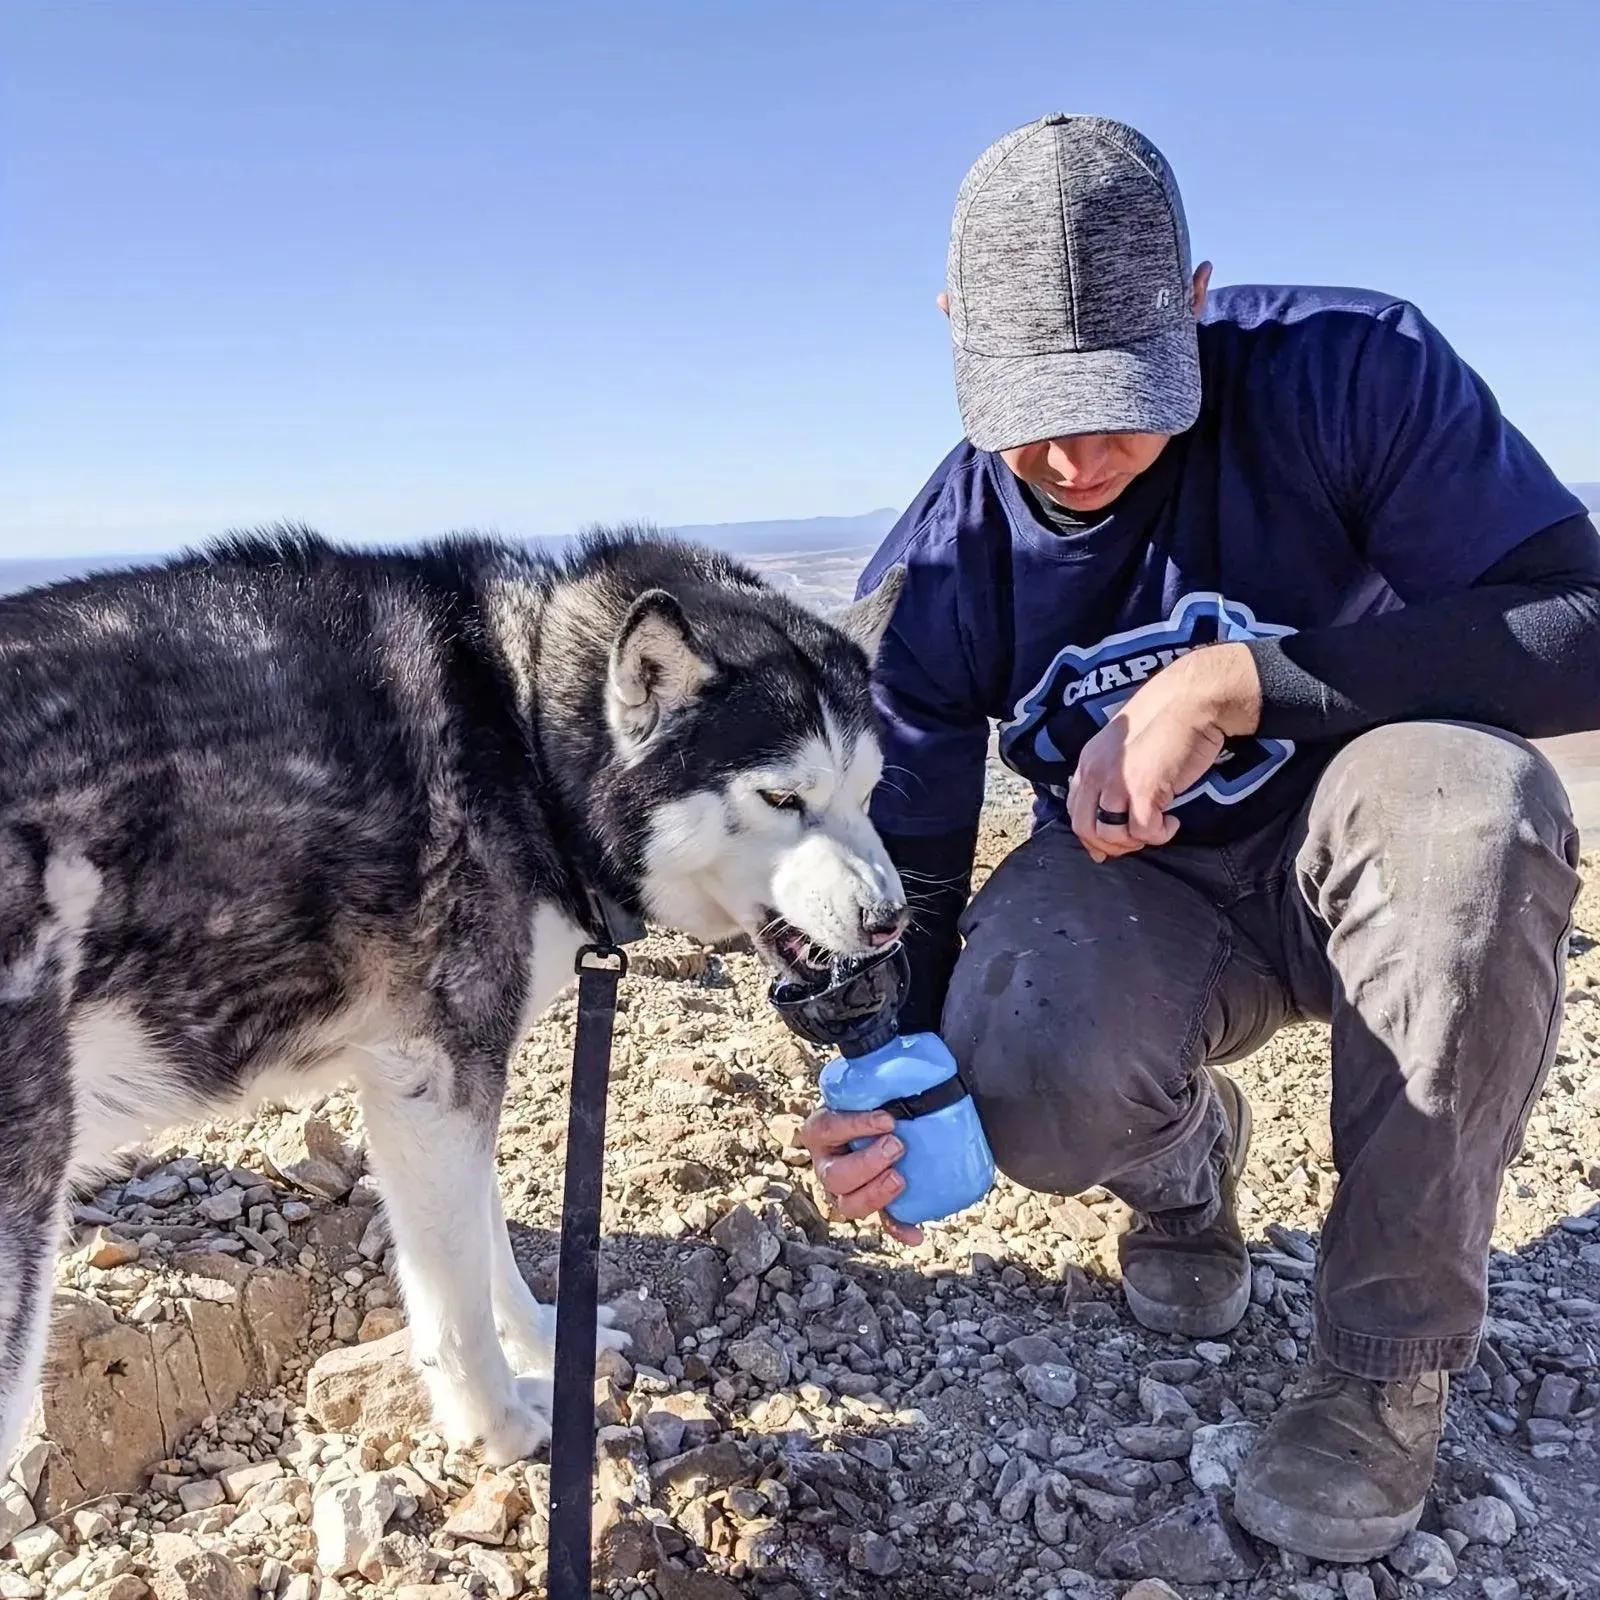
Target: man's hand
[[858, 1182], [1162, 740]]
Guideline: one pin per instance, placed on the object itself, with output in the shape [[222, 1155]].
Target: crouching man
[[1267, 596]]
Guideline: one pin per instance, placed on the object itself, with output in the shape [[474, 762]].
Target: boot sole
[[1196, 1322], [1222, 1317], [1323, 1538]]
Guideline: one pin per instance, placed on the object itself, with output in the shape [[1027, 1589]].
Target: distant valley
[[816, 558]]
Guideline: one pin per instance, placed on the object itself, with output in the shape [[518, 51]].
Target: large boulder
[[118, 1397]]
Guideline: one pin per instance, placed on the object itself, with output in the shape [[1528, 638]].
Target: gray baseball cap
[[1070, 294]]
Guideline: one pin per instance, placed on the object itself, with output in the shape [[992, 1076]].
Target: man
[[1262, 590]]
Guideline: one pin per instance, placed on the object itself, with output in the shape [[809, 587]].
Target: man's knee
[[1057, 1107], [1465, 802]]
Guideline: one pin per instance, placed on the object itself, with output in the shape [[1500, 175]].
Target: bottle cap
[[852, 1007]]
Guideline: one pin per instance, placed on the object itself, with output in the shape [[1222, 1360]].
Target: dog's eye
[[783, 800]]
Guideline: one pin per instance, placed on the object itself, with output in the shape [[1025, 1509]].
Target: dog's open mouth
[[796, 953]]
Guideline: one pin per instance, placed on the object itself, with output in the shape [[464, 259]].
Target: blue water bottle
[[947, 1165]]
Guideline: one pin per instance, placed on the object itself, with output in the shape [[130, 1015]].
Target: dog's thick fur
[[282, 814]]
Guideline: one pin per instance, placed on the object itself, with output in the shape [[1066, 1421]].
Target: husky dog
[[281, 815]]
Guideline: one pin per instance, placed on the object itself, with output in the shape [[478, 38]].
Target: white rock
[[90, 1525], [1504, 1487], [238, 1481], [1050, 1383], [1217, 1451], [28, 1468], [349, 1519], [763, 1358], [35, 1545], [1484, 1520], [310, 1152], [200, 1494], [180, 1569], [504, 1581], [1163, 1403], [71, 1573], [1426, 1559], [16, 1512]]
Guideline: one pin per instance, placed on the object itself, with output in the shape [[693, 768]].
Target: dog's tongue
[[797, 948], [837, 974]]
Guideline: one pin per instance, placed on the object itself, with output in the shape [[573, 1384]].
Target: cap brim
[[1149, 387]]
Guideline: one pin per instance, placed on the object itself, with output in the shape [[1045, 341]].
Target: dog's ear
[[866, 622], [656, 667]]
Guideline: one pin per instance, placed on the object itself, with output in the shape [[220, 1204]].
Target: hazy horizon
[[769, 539], [809, 536]]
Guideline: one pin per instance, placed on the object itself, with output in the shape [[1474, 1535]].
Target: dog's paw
[[607, 1336], [533, 1345], [521, 1427]]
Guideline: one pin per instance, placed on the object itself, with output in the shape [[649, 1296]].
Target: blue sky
[[403, 266]]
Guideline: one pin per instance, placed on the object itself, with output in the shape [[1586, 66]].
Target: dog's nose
[[883, 922]]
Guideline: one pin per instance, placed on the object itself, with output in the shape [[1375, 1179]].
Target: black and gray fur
[[282, 813]]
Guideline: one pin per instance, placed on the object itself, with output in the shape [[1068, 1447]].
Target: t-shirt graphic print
[[1083, 687]]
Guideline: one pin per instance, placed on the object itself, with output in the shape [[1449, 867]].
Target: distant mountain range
[[836, 537], [806, 533]]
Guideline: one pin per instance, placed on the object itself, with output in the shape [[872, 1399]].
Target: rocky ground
[[805, 1411]]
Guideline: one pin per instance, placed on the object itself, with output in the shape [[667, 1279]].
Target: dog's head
[[744, 750]]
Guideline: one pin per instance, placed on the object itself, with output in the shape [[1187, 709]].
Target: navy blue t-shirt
[[1345, 462]]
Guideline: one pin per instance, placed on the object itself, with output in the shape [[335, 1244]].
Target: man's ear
[[868, 619], [656, 667]]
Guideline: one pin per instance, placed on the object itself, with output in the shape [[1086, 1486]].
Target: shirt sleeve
[[935, 731], [1519, 650], [928, 684], [936, 869], [1437, 485]]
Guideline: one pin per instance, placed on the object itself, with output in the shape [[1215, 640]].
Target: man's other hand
[[858, 1182], [1162, 739]]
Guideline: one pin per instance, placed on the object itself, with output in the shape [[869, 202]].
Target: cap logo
[[1163, 299]]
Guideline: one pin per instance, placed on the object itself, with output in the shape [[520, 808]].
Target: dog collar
[[613, 921]]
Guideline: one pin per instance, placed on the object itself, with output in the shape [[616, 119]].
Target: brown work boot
[[1343, 1469], [1197, 1285]]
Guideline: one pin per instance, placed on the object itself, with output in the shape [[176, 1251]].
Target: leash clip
[[601, 958]]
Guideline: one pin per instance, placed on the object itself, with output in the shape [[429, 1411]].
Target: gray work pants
[[1420, 902]]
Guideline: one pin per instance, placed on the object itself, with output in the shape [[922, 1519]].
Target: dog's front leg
[[432, 1128], [528, 1326], [32, 1192], [37, 1132]]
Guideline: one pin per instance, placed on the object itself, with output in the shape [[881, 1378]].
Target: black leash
[[600, 968]]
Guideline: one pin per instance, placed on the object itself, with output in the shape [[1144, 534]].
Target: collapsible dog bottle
[[851, 1007], [947, 1165]]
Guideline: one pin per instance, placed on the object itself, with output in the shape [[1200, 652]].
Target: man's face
[[1085, 471]]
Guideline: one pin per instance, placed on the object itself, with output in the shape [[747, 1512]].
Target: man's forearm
[[936, 870], [1520, 650]]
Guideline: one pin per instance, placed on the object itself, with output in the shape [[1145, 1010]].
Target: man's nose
[[1080, 456]]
